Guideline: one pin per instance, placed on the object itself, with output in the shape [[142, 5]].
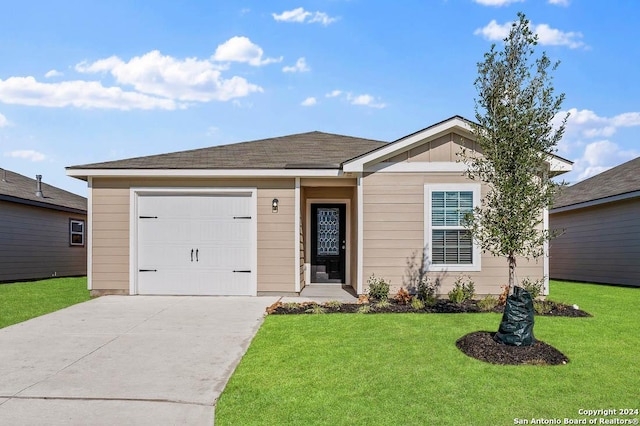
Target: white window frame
[[72, 232], [429, 189]]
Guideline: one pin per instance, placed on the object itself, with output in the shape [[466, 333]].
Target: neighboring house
[[277, 214], [599, 221], [42, 230]]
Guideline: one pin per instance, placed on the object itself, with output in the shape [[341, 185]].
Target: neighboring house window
[[448, 245], [76, 232]]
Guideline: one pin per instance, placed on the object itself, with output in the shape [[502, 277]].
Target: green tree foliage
[[514, 111]]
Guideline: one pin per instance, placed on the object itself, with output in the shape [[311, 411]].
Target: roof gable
[[623, 179], [17, 188]]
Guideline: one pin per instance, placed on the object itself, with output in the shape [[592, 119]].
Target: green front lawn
[[402, 369], [22, 301]]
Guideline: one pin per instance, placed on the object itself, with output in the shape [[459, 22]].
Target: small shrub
[[463, 289], [402, 296], [364, 309], [540, 307], [335, 304], [487, 303], [363, 298], [316, 309], [290, 306], [417, 304], [502, 299], [426, 289], [384, 303], [533, 287], [378, 288], [272, 308]]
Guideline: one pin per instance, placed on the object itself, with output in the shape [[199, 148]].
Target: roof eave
[[84, 174]]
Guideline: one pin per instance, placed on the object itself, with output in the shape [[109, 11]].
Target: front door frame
[[307, 236]]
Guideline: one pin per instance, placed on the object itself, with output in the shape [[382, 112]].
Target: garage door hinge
[[147, 270], [243, 270], [148, 217], [242, 217]]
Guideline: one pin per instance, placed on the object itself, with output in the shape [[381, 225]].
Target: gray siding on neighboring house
[[34, 243], [599, 244]]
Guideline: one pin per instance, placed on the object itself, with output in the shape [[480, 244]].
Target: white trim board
[[80, 173], [477, 250], [307, 237]]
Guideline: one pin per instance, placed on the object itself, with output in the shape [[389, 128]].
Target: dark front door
[[328, 243]]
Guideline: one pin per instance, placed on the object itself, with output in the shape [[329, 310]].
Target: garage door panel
[[219, 230]]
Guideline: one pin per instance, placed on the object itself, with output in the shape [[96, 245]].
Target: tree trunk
[[512, 272]]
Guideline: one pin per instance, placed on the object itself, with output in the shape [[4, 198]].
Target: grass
[[25, 300], [405, 368]]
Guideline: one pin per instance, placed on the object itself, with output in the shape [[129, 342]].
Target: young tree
[[514, 112]]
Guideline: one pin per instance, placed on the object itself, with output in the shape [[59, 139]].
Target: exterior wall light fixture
[[274, 206]]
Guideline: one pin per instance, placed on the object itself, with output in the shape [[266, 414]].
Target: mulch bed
[[440, 307], [480, 344]]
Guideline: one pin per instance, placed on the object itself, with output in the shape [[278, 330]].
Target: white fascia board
[[557, 164], [359, 164], [592, 203], [82, 173]]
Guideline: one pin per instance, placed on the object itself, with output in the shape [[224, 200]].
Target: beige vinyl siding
[[111, 197], [394, 220], [598, 244], [34, 243], [442, 149]]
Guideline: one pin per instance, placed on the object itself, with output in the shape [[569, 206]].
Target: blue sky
[[89, 81]]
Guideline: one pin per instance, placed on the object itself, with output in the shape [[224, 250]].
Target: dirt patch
[[481, 345]]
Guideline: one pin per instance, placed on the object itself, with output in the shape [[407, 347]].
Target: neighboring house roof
[[617, 183], [20, 189], [312, 150]]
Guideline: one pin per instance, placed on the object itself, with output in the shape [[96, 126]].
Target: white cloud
[[26, 154], [594, 156], [564, 3], [334, 93], [497, 2], [300, 66], [241, 49], [365, 100], [310, 101], [546, 35], [53, 73], [587, 124], [186, 80], [600, 156], [300, 15], [81, 94], [3, 121]]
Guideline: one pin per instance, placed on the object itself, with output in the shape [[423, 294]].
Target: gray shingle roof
[[622, 179], [300, 151], [17, 188]]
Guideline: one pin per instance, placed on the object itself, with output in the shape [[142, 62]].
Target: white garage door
[[195, 244]]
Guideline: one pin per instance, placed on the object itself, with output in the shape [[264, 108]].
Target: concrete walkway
[[125, 360]]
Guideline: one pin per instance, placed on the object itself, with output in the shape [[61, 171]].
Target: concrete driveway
[[125, 360]]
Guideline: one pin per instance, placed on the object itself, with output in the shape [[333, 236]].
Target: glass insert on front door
[[328, 231]]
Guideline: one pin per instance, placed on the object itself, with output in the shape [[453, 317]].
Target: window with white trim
[[76, 232], [449, 245]]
